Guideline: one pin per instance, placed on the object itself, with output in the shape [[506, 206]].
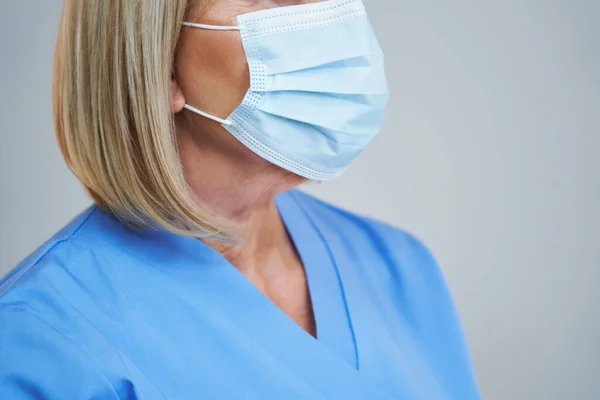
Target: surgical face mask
[[318, 91]]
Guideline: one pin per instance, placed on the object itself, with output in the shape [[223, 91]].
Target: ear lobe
[[176, 97]]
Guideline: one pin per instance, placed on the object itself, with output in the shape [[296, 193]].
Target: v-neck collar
[[220, 298], [333, 323]]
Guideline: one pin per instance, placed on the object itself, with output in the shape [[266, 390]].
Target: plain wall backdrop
[[490, 154]]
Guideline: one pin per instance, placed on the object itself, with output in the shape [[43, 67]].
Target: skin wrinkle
[[211, 73]]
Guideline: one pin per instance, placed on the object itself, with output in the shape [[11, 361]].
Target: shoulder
[[60, 252], [393, 261], [401, 274], [44, 337], [367, 234], [347, 219], [69, 270], [38, 361], [386, 257], [44, 255]]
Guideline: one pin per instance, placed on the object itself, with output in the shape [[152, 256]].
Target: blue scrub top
[[104, 311]]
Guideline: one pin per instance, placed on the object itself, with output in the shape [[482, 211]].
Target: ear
[[176, 96]]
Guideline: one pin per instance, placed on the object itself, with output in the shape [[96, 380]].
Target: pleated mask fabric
[[318, 90]]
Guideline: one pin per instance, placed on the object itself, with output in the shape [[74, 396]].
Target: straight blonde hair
[[113, 66]]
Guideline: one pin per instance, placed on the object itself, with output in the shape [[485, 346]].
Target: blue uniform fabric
[[103, 311]]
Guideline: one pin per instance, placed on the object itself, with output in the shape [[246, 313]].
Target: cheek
[[212, 71], [283, 3], [211, 66]]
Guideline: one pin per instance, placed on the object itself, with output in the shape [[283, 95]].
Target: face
[[211, 72]]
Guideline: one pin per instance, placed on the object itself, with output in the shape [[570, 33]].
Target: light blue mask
[[318, 90]]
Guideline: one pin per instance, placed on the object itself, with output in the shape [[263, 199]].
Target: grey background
[[489, 154]]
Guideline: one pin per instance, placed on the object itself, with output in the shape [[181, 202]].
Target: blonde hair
[[113, 66]]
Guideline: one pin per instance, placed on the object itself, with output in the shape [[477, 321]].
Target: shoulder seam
[[82, 315], [12, 281], [68, 339]]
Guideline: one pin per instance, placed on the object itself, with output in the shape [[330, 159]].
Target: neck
[[240, 187], [263, 243]]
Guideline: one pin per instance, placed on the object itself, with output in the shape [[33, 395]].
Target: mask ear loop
[[207, 115], [212, 27]]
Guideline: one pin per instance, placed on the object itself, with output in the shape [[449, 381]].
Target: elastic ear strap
[[207, 115], [211, 27]]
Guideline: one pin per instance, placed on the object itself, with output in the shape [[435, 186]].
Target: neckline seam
[[338, 276]]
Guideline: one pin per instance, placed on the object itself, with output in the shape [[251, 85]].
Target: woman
[[200, 273]]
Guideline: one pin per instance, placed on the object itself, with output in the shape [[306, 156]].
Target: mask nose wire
[[214, 28]]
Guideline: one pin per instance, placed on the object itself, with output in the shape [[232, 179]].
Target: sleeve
[[39, 362]]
